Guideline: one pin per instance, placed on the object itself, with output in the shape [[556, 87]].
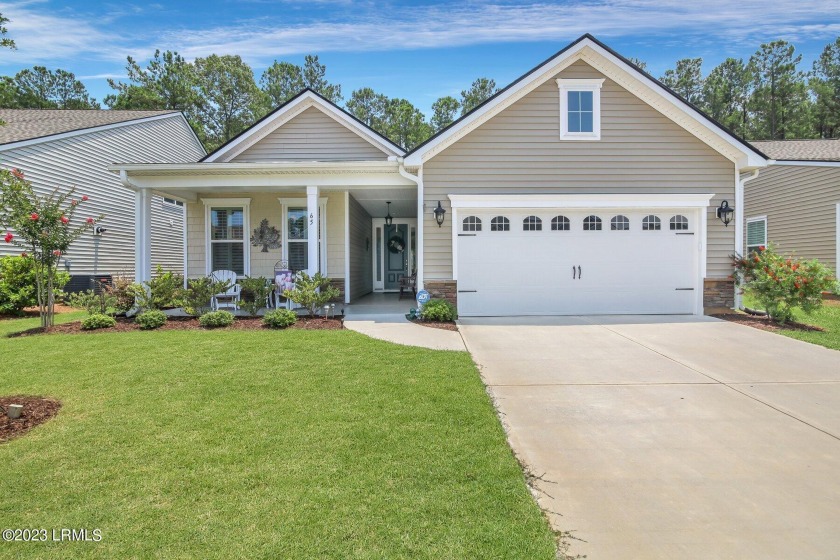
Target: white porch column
[[313, 229], [142, 235]]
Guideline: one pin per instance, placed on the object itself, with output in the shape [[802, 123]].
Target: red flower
[[756, 259], [33, 217], [8, 237], [74, 202], [796, 285], [64, 219], [761, 247], [85, 198], [89, 220], [17, 173], [24, 254], [57, 253]]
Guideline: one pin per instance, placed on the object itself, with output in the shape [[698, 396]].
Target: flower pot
[[13, 411]]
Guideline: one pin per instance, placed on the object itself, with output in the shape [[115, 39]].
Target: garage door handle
[[685, 289], [467, 291], [580, 275]]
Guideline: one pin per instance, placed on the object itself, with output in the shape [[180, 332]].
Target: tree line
[[765, 97]]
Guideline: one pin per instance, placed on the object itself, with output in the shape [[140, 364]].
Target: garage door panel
[[520, 272]]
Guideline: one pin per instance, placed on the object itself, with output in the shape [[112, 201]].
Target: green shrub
[[123, 293], [196, 298], [254, 294], [280, 318], [98, 321], [438, 310], [94, 303], [215, 319], [17, 285], [163, 291], [312, 292], [151, 319], [780, 284]]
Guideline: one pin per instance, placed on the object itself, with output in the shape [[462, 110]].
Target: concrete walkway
[[669, 437], [382, 316]]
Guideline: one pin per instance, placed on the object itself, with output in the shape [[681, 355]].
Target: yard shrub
[[312, 292], [254, 294], [123, 293], [98, 321], [196, 298], [438, 310], [782, 283], [280, 318], [18, 288], [163, 291], [152, 319], [95, 302], [215, 319]]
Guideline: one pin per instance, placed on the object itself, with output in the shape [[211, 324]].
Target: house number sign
[[311, 219]]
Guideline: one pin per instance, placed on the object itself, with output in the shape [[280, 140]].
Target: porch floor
[[381, 306]]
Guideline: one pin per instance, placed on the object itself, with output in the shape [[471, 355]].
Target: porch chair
[[230, 297], [408, 284]]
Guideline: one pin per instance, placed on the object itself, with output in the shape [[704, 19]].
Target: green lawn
[[243, 444], [827, 317]]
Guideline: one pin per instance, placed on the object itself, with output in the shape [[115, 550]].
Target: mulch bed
[[36, 410], [442, 325], [185, 324], [763, 323]]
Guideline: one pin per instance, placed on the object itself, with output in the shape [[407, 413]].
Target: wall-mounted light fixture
[[725, 212], [389, 219], [440, 214], [99, 230]]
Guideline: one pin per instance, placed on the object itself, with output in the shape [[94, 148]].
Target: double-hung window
[[580, 109], [296, 233], [227, 230], [756, 233]]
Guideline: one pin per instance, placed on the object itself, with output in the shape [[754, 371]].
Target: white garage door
[[555, 262]]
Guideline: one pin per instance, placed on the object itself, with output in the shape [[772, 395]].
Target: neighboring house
[[66, 148], [585, 186], [795, 203]]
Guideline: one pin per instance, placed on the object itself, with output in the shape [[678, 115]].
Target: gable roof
[[31, 124], [624, 73], [287, 111], [801, 150]]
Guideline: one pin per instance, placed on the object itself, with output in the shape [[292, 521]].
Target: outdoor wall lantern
[[725, 212], [440, 214], [388, 219]]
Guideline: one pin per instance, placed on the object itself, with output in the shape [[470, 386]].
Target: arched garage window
[[559, 223], [592, 223], [499, 223], [619, 223], [651, 223], [532, 223], [679, 223], [472, 223]]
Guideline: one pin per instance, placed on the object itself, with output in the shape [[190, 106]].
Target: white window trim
[[747, 232], [285, 203], [593, 85], [245, 204]]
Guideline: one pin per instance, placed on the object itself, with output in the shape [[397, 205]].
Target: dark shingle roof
[[26, 124], [806, 150]]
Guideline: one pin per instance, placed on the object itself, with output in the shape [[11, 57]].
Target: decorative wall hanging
[[396, 244], [267, 236]]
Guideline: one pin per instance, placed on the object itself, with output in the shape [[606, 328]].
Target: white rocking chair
[[230, 297]]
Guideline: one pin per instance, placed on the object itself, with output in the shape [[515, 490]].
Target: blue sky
[[417, 50]]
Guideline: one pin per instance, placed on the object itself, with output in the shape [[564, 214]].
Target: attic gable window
[[580, 109]]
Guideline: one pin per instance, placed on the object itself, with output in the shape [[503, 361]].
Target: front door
[[396, 255]]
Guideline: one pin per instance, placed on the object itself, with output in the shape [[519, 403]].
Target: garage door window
[[472, 223], [499, 223], [592, 223], [619, 223], [559, 223], [532, 223], [651, 223], [679, 223]]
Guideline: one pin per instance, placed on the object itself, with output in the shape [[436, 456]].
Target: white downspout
[[418, 180], [740, 218]]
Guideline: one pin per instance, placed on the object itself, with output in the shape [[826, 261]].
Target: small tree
[[42, 228], [781, 283], [312, 292]]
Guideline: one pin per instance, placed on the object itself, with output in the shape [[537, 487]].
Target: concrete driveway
[[670, 437]]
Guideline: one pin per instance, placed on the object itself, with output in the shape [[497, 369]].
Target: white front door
[[555, 262], [395, 249]]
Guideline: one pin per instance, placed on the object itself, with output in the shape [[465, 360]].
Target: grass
[[291, 444], [827, 317]]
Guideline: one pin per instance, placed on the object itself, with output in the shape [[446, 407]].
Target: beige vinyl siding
[[266, 205], [82, 161], [800, 203], [312, 136], [519, 151], [361, 247]]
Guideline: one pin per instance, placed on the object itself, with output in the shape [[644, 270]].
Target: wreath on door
[[396, 244]]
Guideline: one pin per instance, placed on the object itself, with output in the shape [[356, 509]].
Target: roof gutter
[[740, 218]]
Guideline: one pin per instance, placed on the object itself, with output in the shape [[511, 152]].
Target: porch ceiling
[[374, 201]]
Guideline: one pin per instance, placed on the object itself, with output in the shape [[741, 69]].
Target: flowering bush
[[781, 284], [98, 321], [279, 318], [42, 227]]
